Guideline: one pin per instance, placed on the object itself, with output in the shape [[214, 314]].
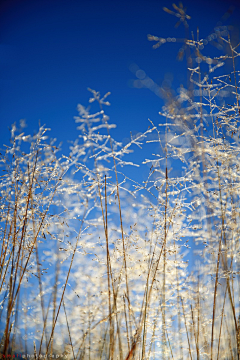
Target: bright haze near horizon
[[52, 51]]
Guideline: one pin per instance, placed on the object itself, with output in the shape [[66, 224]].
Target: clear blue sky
[[51, 51]]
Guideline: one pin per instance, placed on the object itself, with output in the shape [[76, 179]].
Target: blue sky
[[52, 51]]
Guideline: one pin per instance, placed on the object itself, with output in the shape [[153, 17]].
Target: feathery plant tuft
[[96, 265]]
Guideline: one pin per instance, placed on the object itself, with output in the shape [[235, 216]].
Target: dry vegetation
[[95, 265]]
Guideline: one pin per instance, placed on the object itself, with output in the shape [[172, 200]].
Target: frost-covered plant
[[30, 183], [95, 265], [208, 113]]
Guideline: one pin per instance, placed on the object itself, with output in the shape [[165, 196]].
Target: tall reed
[[98, 265]]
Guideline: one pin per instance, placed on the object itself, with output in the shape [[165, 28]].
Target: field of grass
[[98, 265]]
